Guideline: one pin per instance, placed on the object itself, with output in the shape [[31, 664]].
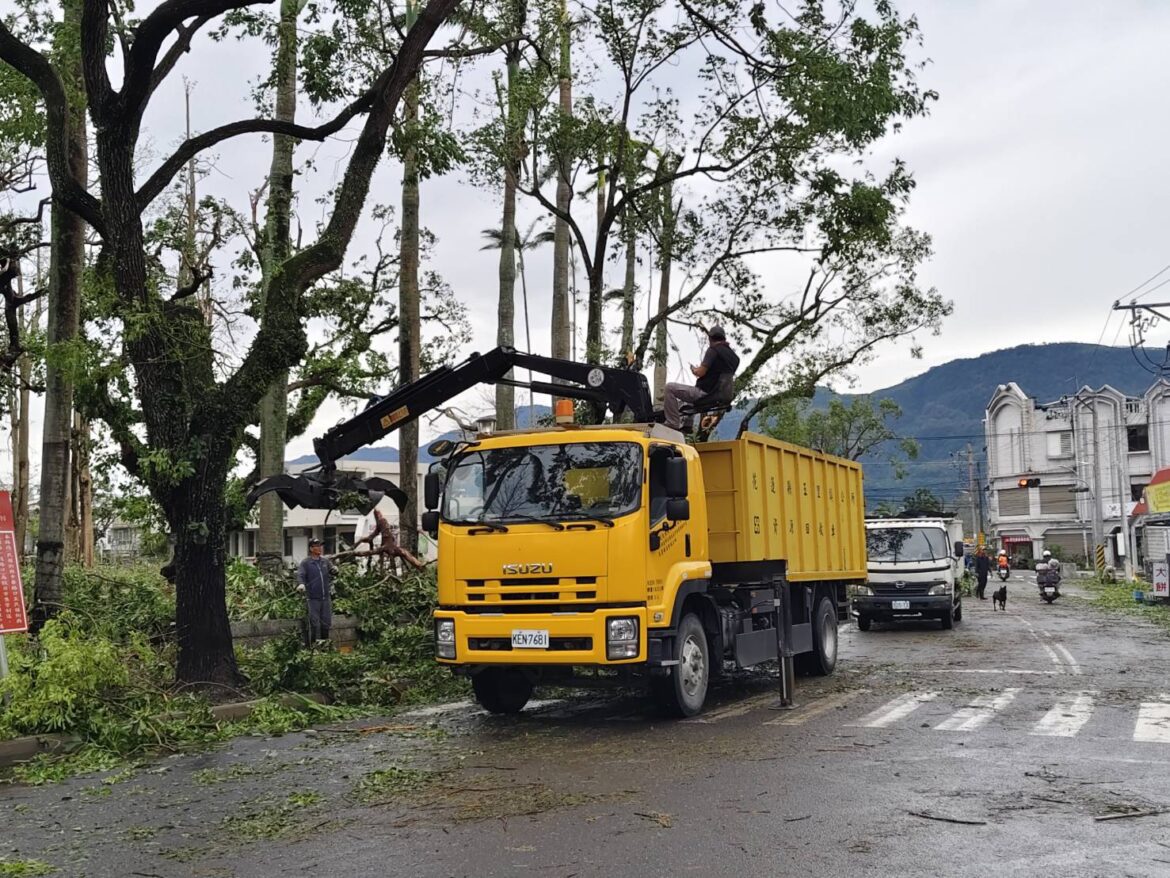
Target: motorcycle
[[1048, 582], [1004, 570]]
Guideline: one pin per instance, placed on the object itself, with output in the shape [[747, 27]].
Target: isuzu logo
[[524, 569]]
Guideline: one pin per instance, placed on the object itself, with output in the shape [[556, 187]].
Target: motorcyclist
[[1048, 572]]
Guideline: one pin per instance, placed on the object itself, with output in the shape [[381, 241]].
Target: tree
[[778, 116], [178, 424], [923, 501], [67, 153], [275, 248], [851, 430]]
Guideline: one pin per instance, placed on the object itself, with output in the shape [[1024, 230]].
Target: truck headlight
[[941, 588], [621, 637], [445, 638], [858, 591]]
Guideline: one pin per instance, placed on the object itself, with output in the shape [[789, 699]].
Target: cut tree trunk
[[274, 407], [66, 264], [513, 146], [628, 290]]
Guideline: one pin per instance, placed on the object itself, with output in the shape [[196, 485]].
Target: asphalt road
[[989, 749]]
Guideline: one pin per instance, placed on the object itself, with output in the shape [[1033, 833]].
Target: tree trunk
[[513, 146], [560, 302], [20, 428], [197, 514], [81, 497], [409, 322], [274, 407], [628, 290], [665, 258], [593, 308], [66, 263]]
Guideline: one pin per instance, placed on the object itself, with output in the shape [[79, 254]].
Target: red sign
[[13, 618]]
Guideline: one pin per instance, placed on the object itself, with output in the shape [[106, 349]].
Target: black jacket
[[982, 565]]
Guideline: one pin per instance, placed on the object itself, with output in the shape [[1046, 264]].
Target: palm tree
[[530, 240]]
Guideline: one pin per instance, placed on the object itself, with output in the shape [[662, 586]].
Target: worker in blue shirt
[[315, 580]]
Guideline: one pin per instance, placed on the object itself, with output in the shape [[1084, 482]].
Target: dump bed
[[769, 500]]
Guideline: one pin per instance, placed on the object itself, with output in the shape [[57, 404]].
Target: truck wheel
[[823, 658], [864, 622], [948, 619], [684, 690], [502, 690], [959, 612]]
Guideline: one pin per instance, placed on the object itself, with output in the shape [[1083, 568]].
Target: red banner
[[13, 617]]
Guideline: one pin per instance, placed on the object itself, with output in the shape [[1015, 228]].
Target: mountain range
[[942, 409]]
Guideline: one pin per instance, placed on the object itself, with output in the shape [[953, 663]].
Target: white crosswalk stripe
[[900, 708], [978, 712], [1067, 717], [1153, 723]]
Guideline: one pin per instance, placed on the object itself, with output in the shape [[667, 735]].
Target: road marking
[[1067, 717], [737, 709], [1153, 723], [438, 709], [803, 714], [978, 712], [991, 671], [899, 708], [1068, 657], [1048, 649]]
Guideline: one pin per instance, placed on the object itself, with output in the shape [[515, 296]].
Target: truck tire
[[823, 658], [502, 690], [683, 691], [959, 612], [864, 622], [948, 619]]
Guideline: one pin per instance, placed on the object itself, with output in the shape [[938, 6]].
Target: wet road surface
[[989, 749]]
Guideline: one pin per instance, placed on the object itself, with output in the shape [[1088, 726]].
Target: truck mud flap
[[754, 647]]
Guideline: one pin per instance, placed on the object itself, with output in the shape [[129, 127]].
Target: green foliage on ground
[[103, 670], [1118, 597], [25, 868]]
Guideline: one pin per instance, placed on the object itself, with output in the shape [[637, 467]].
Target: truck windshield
[[597, 480], [906, 544]]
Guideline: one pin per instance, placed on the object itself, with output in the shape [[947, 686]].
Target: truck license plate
[[901, 605], [527, 638]]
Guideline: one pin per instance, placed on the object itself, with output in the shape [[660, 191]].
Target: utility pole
[[1098, 524], [979, 486], [976, 523]]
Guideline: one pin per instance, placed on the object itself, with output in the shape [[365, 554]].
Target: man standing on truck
[[982, 571], [716, 379]]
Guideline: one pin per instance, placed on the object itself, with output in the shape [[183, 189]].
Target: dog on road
[[999, 597]]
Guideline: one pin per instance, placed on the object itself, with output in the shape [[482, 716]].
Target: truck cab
[[915, 568]]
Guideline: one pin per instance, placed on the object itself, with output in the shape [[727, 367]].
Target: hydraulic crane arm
[[619, 390]]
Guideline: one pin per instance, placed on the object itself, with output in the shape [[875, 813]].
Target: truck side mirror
[[960, 549], [678, 509], [431, 489], [676, 478], [430, 523]]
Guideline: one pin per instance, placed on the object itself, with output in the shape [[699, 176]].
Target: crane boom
[[618, 390]]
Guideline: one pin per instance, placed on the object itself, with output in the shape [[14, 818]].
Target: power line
[[1143, 283]]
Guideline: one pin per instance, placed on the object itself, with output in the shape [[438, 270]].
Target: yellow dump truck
[[573, 555]]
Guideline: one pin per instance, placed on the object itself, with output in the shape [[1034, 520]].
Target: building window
[[1060, 444], [287, 544], [1138, 437], [329, 535], [1135, 492], [249, 544]]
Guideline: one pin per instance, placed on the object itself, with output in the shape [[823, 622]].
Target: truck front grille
[[555, 644], [908, 589]]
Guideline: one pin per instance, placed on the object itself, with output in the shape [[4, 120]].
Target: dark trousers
[[981, 585], [320, 619]]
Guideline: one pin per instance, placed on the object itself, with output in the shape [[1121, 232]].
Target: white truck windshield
[[893, 544], [546, 482]]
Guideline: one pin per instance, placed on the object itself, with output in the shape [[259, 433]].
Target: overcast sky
[[1041, 170]]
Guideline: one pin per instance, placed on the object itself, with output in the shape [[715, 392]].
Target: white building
[[1092, 452], [336, 529]]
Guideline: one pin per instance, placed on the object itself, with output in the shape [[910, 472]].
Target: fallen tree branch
[[942, 819], [1129, 814]]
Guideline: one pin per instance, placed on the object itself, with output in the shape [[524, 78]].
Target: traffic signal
[[1029, 483]]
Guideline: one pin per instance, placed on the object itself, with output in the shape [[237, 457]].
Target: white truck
[[914, 568]]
